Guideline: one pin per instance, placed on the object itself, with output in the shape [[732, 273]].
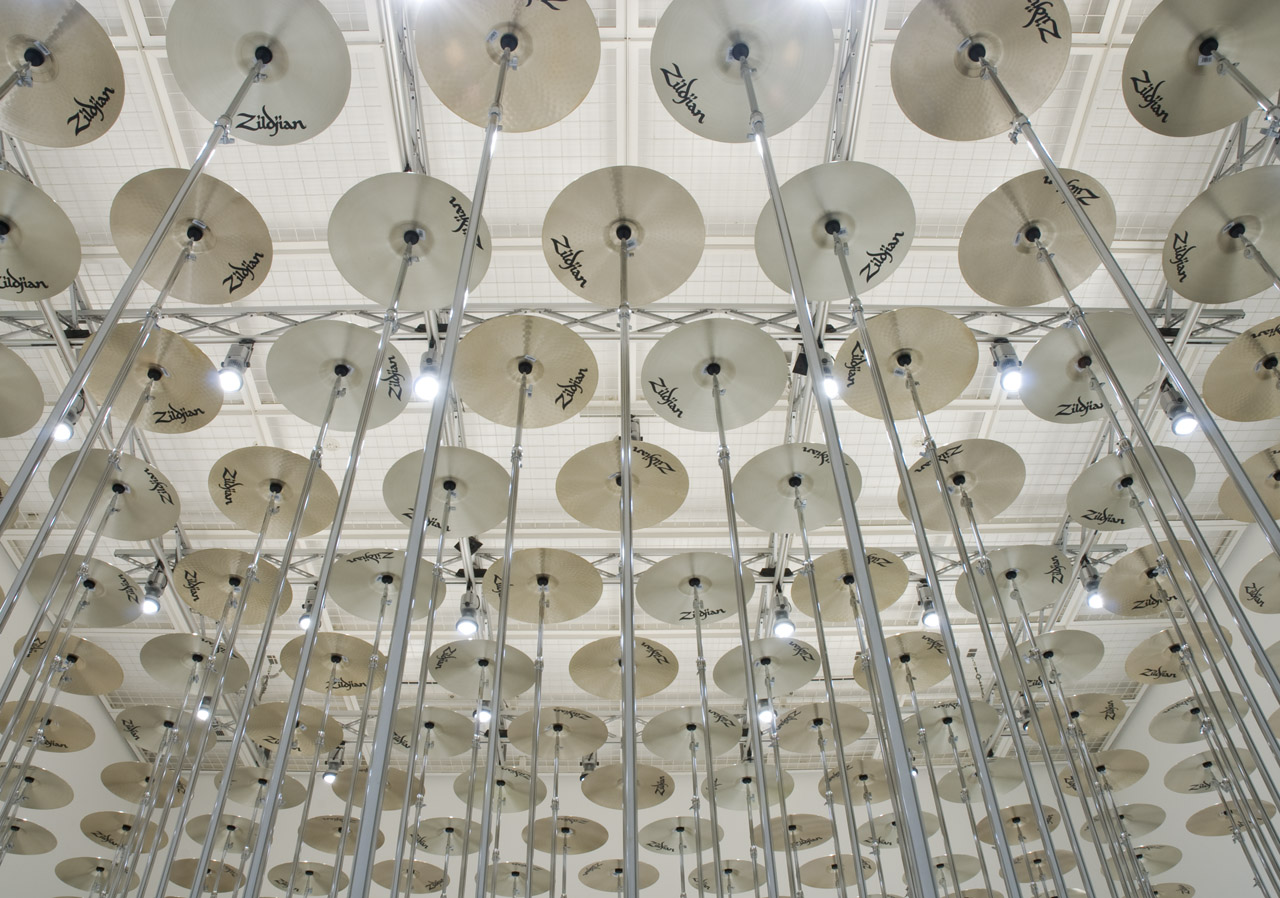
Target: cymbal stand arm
[[19, 77], [684, 892], [954, 744], [497, 835], [755, 867], [829, 800], [1225, 66], [922, 739], [555, 815], [1252, 252], [696, 805], [873, 839], [312, 771], [543, 603], [564, 867], [712, 811]]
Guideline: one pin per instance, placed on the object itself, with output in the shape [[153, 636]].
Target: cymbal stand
[[829, 799], [21, 74], [544, 602], [695, 584], [501, 787], [990, 798], [1238, 837], [684, 892], [555, 813], [1209, 54], [312, 770], [564, 867], [872, 841], [922, 739], [480, 733], [789, 852], [897, 761], [953, 743], [696, 804], [751, 796]]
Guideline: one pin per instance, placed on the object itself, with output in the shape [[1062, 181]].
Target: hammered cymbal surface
[[733, 781], [606, 784], [353, 784], [1117, 769], [1260, 589], [836, 593], [1099, 500], [149, 726], [925, 660], [868, 781], [765, 498], [1137, 819], [942, 719], [63, 731], [589, 485], [218, 876], [990, 473], [597, 667], [1243, 380], [1097, 714], [1006, 775], [206, 579], [132, 781], [510, 879], [109, 596], [41, 252], [668, 733], [184, 399], [418, 878], [1018, 821], [325, 834], [233, 830], [1200, 774], [606, 875], [146, 502], [1069, 655], [1156, 859], [26, 837], [461, 665], [736, 876], [247, 784], [1034, 865], [572, 585], [84, 873], [798, 831], [1153, 661], [479, 498], [241, 483], [444, 835], [115, 829], [882, 830], [831, 871], [341, 664]]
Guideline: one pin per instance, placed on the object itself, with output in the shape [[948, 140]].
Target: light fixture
[[928, 613], [153, 589], [468, 625], [231, 374], [783, 626], [427, 384], [1090, 580], [205, 711], [1007, 364], [307, 619], [589, 765], [765, 713], [332, 766], [483, 714], [66, 427], [1175, 407], [830, 386]]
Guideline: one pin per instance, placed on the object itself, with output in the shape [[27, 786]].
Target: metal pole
[[19, 77], [712, 810], [305, 811], [1227, 67], [537, 710], [627, 594]]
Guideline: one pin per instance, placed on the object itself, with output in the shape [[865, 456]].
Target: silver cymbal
[[393, 786], [218, 876], [1263, 469], [233, 255], [1118, 768], [363, 582], [113, 598], [561, 377], [998, 254], [1039, 573], [798, 831], [733, 781], [597, 667], [241, 484], [1154, 662], [738, 877], [836, 591], [1099, 499], [514, 787], [147, 726], [510, 878], [459, 667], [63, 731], [558, 55], [1199, 774], [660, 222], [1242, 380], [21, 396], [341, 664], [800, 728], [416, 879], [606, 784], [85, 873], [666, 593], [303, 366], [91, 670], [589, 486], [311, 878], [1156, 859], [147, 508], [700, 83], [26, 837], [233, 830], [1131, 587], [132, 780], [1260, 589], [1181, 722], [204, 580], [830, 871], [886, 829], [991, 473], [113, 829], [1018, 821], [306, 84], [939, 86], [1138, 820], [1097, 714], [1229, 818], [866, 776], [266, 725], [1056, 372], [1005, 774], [787, 663], [40, 252], [1034, 865], [941, 719], [247, 785], [569, 583], [324, 834], [666, 836], [1070, 654], [765, 497], [1170, 92], [941, 351], [443, 835], [924, 652], [579, 733], [606, 876], [1172, 890], [175, 657], [869, 204], [667, 734], [479, 498], [752, 373], [39, 789], [74, 68], [449, 731], [963, 866], [573, 835]]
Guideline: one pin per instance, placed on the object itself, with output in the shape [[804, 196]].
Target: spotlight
[[427, 384], [205, 711], [66, 428], [332, 767], [765, 713], [231, 374], [830, 385], [153, 589], [1007, 364], [1174, 405], [783, 627], [1090, 580], [928, 613], [307, 619], [483, 714], [467, 625], [589, 764]]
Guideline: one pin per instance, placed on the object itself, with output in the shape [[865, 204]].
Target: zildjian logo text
[[570, 258], [823, 457], [229, 485], [265, 121], [191, 580], [159, 487], [704, 614], [20, 284], [853, 367], [654, 460], [1254, 593], [1102, 517], [881, 257], [1079, 191], [1150, 94], [1182, 248], [569, 391], [173, 415], [943, 458], [370, 557], [666, 395], [1157, 673], [90, 111], [393, 379], [1041, 20], [684, 91], [463, 218], [1081, 406], [242, 272], [1055, 572]]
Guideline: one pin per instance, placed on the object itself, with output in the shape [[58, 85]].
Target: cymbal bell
[[310, 878], [1155, 859], [85, 873], [789, 47], [393, 786], [341, 664], [737, 876], [561, 584], [1034, 865], [110, 597], [750, 370], [416, 879], [554, 63], [1154, 661], [887, 833], [230, 252], [668, 835], [218, 876], [801, 727], [939, 85], [241, 484], [63, 731], [1006, 775], [459, 667], [666, 590], [606, 784], [1117, 769], [114, 829], [26, 837], [1138, 820], [1070, 654], [148, 726], [867, 777], [450, 733], [266, 724], [90, 670], [799, 831], [597, 667], [831, 871], [21, 396], [206, 579], [1200, 773], [606, 876], [658, 220], [247, 784], [306, 83], [733, 782], [589, 486], [147, 504], [572, 835], [1182, 722], [1132, 586], [766, 488], [668, 734], [510, 878], [1018, 821], [1263, 470], [941, 719], [233, 830], [443, 835], [1038, 573], [835, 577], [175, 657], [1100, 499], [132, 780], [324, 834], [479, 493], [920, 652], [990, 473], [39, 789], [1097, 714], [370, 232], [578, 733], [517, 789], [786, 664], [1241, 383], [367, 583]]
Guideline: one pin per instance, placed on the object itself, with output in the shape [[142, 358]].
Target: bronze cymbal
[[204, 580], [85, 873], [241, 484], [480, 488], [1138, 820], [176, 658], [589, 486], [831, 871], [233, 830], [416, 879], [789, 47], [606, 875], [510, 878], [110, 597], [148, 504], [569, 584], [940, 719], [1200, 773], [233, 254], [787, 663], [836, 592], [40, 252], [579, 733], [1001, 262], [38, 789], [63, 731], [26, 837], [799, 831], [305, 87], [604, 786], [1034, 866], [459, 666], [341, 664], [665, 590], [1241, 383], [393, 786], [886, 829], [450, 733], [664, 232], [247, 784], [1263, 470], [1039, 573], [311, 878], [800, 728], [114, 829], [1154, 661], [989, 472], [1166, 87], [668, 835], [963, 866], [737, 876], [923, 652], [752, 374], [1182, 722], [941, 88], [1100, 500], [1057, 372], [1117, 769], [866, 776], [733, 782], [147, 726], [21, 396], [1005, 774], [1072, 654], [443, 835], [597, 667], [573, 835], [367, 583], [266, 724], [765, 497], [132, 780], [324, 833], [515, 788], [1097, 714], [1173, 890], [1131, 587], [303, 367], [1155, 859], [554, 63], [1018, 821], [668, 734], [91, 670], [372, 223]]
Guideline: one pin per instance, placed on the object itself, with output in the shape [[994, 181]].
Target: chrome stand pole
[[564, 867], [695, 584], [313, 770], [471, 786], [401, 863], [755, 873], [788, 850], [543, 602], [873, 840], [555, 811], [1238, 838], [828, 798], [922, 738], [684, 893], [696, 804], [1252, 252], [1226, 67], [954, 744]]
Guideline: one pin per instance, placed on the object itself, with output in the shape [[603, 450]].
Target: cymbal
[[85, 873], [963, 866], [1264, 473], [1056, 372], [799, 728], [113, 829], [790, 51], [990, 472], [266, 724], [830, 871], [765, 498], [305, 87], [184, 399], [479, 499], [418, 879], [218, 876], [581, 244], [1241, 383], [1173, 890], [78, 72], [561, 380], [368, 581], [573, 835], [146, 726], [667, 734], [302, 369], [1098, 499], [367, 239], [733, 782], [580, 733], [923, 651], [26, 837], [247, 785], [789, 663], [238, 832], [311, 878], [606, 875], [866, 775], [737, 876], [1097, 714], [458, 666], [339, 663], [1181, 722], [1117, 768], [1074, 654], [751, 376], [393, 786], [1006, 775], [800, 831], [41, 790], [604, 786], [558, 55], [1138, 820], [1130, 587], [147, 508], [666, 836], [93, 672], [111, 597], [21, 396], [597, 667], [589, 486], [940, 88], [516, 787], [64, 731], [572, 585], [231, 259], [443, 835], [665, 591], [1001, 263], [886, 829], [943, 356], [1156, 859], [205, 579], [1018, 820], [834, 574], [240, 483], [40, 254], [1039, 573], [176, 657], [1198, 774], [1167, 89], [511, 878], [941, 719], [1034, 865], [132, 780], [450, 732], [1154, 662], [325, 832]]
